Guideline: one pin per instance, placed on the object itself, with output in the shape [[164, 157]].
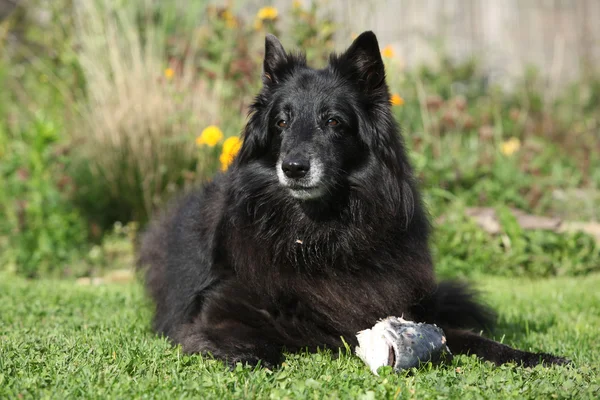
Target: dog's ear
[[275, 57], [362, 63]]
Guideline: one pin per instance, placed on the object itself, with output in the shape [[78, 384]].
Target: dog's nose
[[295, 168]]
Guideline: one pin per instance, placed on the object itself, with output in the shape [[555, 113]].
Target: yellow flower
[[229, 19], [169, 72], [226, 14], [296, 4], [210, 136], [388, 51], [510, 146], [267, 13], [396, 100], [231, 147]]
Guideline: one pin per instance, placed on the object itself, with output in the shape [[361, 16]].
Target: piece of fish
[[401, 344]]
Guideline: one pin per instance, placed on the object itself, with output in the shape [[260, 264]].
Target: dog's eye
[[333, 122], [282, 123]]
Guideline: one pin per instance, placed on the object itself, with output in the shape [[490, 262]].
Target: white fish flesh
[[401, 344]]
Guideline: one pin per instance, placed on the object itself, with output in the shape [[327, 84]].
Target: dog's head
[[315, 129]]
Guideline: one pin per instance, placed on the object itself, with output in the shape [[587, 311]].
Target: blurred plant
[[312, 31], [40, 232], [461, 129], [37, 45], [132, 138], [138, 81], [464, 249], [116, 251]]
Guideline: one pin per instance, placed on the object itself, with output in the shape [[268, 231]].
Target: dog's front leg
[[232, 327]]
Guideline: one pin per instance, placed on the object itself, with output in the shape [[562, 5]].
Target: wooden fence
[[560, 37]]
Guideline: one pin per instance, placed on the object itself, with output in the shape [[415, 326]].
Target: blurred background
[[108, 108]]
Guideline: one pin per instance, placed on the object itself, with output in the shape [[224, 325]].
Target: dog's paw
[[545, 359]]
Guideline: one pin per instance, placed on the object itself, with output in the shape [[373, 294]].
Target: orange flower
[[388, 51], [210, 136], [396, 100], [169, 72], [231, 147]]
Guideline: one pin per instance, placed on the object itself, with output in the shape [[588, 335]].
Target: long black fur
[[244, 270]]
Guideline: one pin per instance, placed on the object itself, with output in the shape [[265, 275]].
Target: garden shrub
[[41, 232]]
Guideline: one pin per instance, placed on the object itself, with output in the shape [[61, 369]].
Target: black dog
[[316, 231]]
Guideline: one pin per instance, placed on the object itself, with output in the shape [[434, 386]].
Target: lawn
[[62, 340]]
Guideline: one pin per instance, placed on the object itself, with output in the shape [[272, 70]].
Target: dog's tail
[[454, 307]]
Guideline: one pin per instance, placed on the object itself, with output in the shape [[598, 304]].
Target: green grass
[[60, 340]]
